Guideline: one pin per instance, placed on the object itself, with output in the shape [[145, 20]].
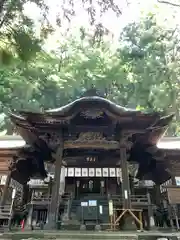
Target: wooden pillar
[[62, 181], [157, 194], [102, 187], [174, 207], [173, 179], [25, 194], [131, 182], [151, 221], [6, 189], [54, 203], [125, 179], [28, 225], [50, 184]]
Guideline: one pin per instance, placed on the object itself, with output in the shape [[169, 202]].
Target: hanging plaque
[[105, 172], [84, 172], [112, 172], [70, 172], [77, 172], [91, 172], [98, 172]]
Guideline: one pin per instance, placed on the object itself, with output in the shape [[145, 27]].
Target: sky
[[132, 10]]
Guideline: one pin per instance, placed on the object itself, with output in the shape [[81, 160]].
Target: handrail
[[139, 196], [48, 198], [40, 199], [134, 198], [67, 195]]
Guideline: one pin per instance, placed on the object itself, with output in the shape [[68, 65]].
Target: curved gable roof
[[88, 102]]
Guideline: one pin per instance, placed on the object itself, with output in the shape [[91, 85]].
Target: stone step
[[77, 235]]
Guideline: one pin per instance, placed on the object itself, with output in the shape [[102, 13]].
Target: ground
[[68, 235]]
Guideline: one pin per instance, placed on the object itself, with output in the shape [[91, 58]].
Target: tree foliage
[[17, 31], [143, 72]]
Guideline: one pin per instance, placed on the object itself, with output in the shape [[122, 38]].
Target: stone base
[[82, 227], [28, 227], [50, 226], [51, 223], [152, 224], [90, 235], [98, 227], [129, 223]]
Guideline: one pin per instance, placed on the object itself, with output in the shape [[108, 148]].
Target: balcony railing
[[135, 199], [46, 200], [40, 200]]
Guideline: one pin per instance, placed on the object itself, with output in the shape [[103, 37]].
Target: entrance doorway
[[86, 186]]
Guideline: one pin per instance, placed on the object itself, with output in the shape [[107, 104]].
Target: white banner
[[105, 172], [84, 172], [70, 172], [98, 172], [112, 172], [77, 172], [91, 172]]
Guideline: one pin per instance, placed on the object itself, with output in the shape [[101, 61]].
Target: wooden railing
[[46, 200], [68, 199], [40, 200], [67, 196], [135, 199]]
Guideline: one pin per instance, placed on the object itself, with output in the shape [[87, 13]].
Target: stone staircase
[[5, 211], [10, 209], [67, 218]]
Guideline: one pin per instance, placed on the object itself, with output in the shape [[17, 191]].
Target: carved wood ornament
[[92, 113], [91, 140], [125, 141], [90, 136]]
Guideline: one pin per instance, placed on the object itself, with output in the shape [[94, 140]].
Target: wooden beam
[[91, 145], [54, 205]]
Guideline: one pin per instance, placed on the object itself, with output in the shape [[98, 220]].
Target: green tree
[[151, 53], [17, 32], [143, 72]]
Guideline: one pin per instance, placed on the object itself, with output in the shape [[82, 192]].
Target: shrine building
[[90, 164]]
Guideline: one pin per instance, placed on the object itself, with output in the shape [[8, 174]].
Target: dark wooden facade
[[92, 132]]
